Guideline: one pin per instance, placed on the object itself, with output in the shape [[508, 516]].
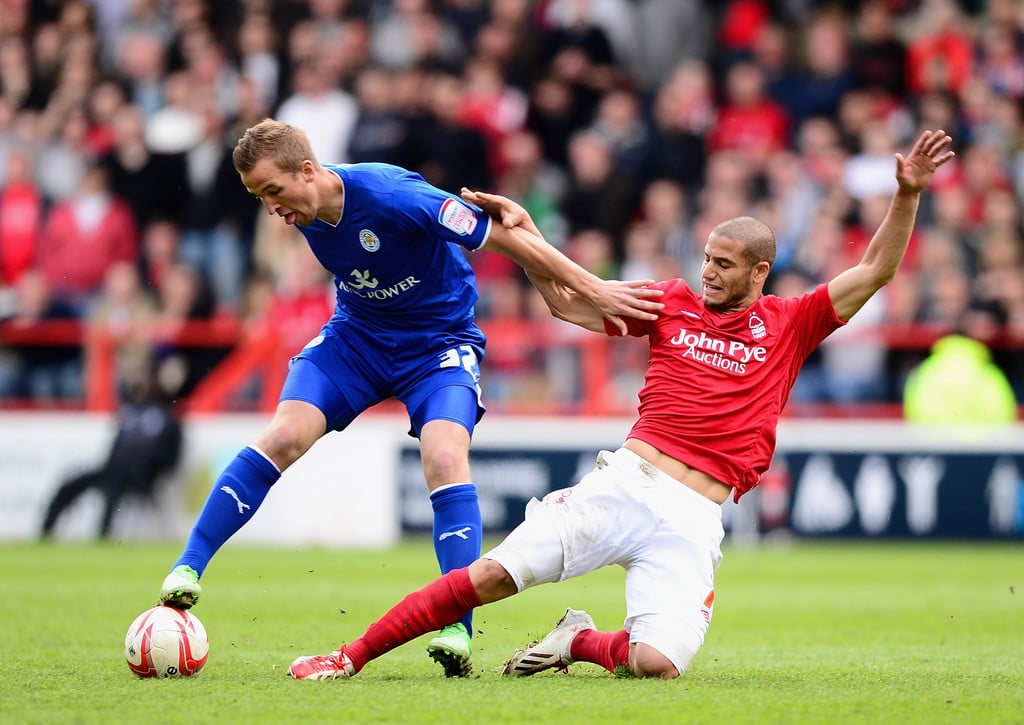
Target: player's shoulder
[[813, 302], [374, 172], [674, 287]]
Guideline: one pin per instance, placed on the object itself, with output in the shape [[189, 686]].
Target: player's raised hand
[[508, 212], [930, 151]]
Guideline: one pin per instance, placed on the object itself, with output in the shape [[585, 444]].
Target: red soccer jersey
[[717, 383]]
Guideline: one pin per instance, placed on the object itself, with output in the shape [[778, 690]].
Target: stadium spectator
[[867, 171], [62, 156], [259, 63], [577, 48], [84, 236], [449, 153], [328, 111], [119, 25], [749, 121], [597, 195], [491, 106], [119, 319], [878, 56], [740, 25], [999, 63], [673, 32], [217, 216], [177, 125], [728, 193], [139, 175], [184, 297], [826, 75], [644, 254], [403, 327], [142, 62], [303, 297], [107, 98], [381, 132], [682, 112], [405, 33], [791, 192], [959, 384], [981, 171], [512, 361], [8, 138], [727, 354], [553, 117], [941, 52], [21, 217], [43, 372], [535, 182], [614, 18], [509, 39], [161, 239], [212, 75], [19, 84], [594, 250], [773, 52], [620, 121]]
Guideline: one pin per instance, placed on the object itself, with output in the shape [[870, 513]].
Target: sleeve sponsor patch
[[458, 217]]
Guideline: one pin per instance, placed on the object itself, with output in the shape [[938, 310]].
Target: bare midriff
[[700, 482]]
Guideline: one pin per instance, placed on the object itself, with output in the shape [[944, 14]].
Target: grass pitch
[[805, 633]]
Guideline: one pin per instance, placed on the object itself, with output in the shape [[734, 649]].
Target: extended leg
[[69, 491]]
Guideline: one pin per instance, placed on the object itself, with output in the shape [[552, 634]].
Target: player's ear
[[760, 272]]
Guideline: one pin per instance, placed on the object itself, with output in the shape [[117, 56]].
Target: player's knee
[[284, 443], [441, 465], [491, 580], [646, 661], [445, 464], [444, 449]]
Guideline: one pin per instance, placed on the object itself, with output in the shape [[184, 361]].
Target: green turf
[[808, 633]]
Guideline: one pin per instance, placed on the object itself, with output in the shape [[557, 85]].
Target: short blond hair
[[286, 145]]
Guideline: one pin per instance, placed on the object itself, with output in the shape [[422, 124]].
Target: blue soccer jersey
[[393, 253]]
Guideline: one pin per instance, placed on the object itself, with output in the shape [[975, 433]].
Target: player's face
[[287, 194], [728, 281]]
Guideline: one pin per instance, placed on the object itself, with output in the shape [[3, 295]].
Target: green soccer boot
[[452, 649], [181, 587]]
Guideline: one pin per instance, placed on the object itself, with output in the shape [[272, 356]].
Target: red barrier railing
[[261, 354]]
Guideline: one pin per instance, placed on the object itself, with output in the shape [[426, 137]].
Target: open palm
[[930, 151]]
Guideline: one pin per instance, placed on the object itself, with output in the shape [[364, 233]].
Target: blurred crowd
[[628, 128]]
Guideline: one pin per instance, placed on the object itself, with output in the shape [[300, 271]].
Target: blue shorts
[[347, 369]]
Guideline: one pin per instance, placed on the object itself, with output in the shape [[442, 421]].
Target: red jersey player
[[721, 366]]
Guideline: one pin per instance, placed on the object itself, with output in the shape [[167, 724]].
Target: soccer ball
[[166, 642]]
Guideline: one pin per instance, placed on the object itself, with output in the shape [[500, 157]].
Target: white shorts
[[627, 512]]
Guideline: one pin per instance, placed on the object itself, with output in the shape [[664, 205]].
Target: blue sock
[[458, 533], [235, 496]]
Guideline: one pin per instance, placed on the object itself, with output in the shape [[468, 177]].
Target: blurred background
[[628, 128]]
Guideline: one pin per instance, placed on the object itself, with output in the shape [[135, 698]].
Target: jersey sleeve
[[814, 316], [421, 208]]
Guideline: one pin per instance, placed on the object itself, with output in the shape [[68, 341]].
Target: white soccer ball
[[166, 642]]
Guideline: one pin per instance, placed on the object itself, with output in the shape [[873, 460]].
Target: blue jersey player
[[403, 327]]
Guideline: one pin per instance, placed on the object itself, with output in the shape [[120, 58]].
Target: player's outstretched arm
[[566, 304], [518, 238], [851, 289]]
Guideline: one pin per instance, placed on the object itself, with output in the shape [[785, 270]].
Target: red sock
[[608, 649], [442, 602]]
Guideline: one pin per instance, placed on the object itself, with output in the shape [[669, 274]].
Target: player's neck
[[334, 195]]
